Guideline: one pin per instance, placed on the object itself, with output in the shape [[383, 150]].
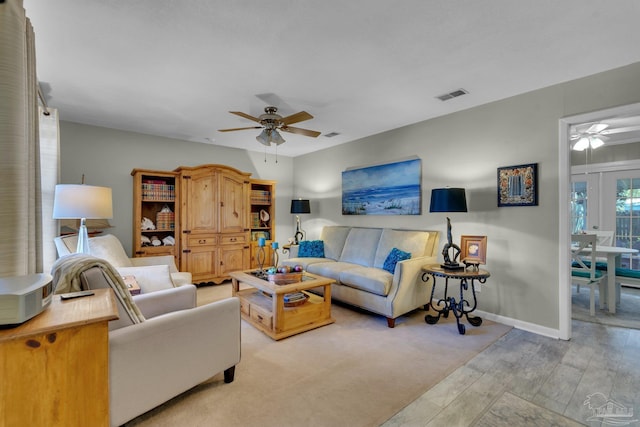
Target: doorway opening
[[565, 217]]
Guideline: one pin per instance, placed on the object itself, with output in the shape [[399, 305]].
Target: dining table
[[613, 255]]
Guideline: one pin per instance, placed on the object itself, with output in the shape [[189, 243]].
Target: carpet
[[355, 372], [627, 314]]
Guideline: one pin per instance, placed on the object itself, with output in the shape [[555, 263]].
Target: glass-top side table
[[447, 303]]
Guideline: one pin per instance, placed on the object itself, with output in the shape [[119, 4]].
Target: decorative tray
[[284, 278], [298, 298]]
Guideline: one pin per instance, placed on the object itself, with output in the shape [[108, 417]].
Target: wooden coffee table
[[262, 304]]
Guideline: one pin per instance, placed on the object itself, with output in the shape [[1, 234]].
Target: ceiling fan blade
[[299, 131], [597, 128], [245, 115], [232, 129], [296, 118]]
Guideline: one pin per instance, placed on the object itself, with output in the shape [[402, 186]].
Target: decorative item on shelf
[[274, 260], [147, 224], [165, 219], [264, 218], [82, 202], [473, 251], [299, 206], [449, 200]]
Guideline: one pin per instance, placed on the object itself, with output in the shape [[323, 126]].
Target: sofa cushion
[[150, 278], [109, 248], [331, 269], [304, 262], [392, 259], [414, 242], [311, 249], [369, 279], [360, 246], [334, 237]]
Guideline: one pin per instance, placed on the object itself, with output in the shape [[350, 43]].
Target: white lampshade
[[82, 201], [72, 201]]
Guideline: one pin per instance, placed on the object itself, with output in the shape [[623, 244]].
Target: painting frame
[[473, 250], [518, 185]]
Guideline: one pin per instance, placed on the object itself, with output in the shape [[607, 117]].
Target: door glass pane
[[628, 218], [578, 206]]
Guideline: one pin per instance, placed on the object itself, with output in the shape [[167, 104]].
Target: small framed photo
[[473, 250], [518, 185]]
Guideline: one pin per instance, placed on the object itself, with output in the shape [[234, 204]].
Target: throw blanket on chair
[[66, 278]]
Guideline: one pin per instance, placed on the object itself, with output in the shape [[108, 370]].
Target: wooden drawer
[[244, 306], [230, 239], [261, 316], [203, 240]]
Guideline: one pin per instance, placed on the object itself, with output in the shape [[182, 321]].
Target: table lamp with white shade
[[80, 201]]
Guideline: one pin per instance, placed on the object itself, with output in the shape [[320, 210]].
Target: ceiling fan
[[271, 122], [592, 137]]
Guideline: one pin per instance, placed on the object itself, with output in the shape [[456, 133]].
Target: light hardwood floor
[[525, 379]]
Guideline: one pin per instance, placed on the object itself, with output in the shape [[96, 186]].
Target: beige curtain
[[50, 174], [20, 201]]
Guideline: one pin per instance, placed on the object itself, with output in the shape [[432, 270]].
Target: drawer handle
[[202, 241], [259, 317], [233, 239]]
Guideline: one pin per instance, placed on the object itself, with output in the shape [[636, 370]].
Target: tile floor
[[525, 379]]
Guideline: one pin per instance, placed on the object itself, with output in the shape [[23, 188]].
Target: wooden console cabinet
[[55, 367]]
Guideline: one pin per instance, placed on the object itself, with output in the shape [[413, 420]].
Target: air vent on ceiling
[[331, 134], [451, 95]]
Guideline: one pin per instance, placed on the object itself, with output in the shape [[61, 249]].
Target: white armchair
[[173, 346], [109, 248]]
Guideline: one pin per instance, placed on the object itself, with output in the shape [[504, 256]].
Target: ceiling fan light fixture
[[596, 142], [581, 144], [276, 138], [264, 138]]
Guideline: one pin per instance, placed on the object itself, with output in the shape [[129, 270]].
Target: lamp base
[[83, 239]]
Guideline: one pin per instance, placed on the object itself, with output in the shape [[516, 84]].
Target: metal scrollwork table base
[[448, 304]]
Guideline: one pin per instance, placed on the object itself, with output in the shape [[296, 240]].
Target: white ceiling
[[175, 69]]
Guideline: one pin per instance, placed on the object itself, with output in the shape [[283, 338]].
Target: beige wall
[[465, 149]]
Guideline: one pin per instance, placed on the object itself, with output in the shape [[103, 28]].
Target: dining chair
[[584, 271]]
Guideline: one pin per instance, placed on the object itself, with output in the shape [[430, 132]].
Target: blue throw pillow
[[311, 249], [392, 259]]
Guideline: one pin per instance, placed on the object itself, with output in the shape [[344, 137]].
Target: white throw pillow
[[150, 278]]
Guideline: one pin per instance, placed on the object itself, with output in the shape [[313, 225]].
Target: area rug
[[355, 372], [627, 313]]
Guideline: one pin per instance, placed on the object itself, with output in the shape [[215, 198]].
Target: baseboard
[[519, 324]]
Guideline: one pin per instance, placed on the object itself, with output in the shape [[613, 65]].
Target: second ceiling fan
[[271, 122]]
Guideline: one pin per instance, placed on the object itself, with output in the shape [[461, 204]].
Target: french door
[[609, 200]]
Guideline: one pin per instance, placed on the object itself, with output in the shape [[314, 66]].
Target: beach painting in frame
[[385, 189]]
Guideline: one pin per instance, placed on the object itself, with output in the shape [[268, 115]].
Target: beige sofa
[[354, 257]]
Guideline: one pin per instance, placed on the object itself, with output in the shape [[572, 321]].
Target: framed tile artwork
[[518, 185]]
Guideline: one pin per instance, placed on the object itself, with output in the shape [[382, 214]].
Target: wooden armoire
[[215, 213], [214, 221]]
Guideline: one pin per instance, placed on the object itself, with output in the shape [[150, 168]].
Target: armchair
[[109, 248], [162, 347]]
